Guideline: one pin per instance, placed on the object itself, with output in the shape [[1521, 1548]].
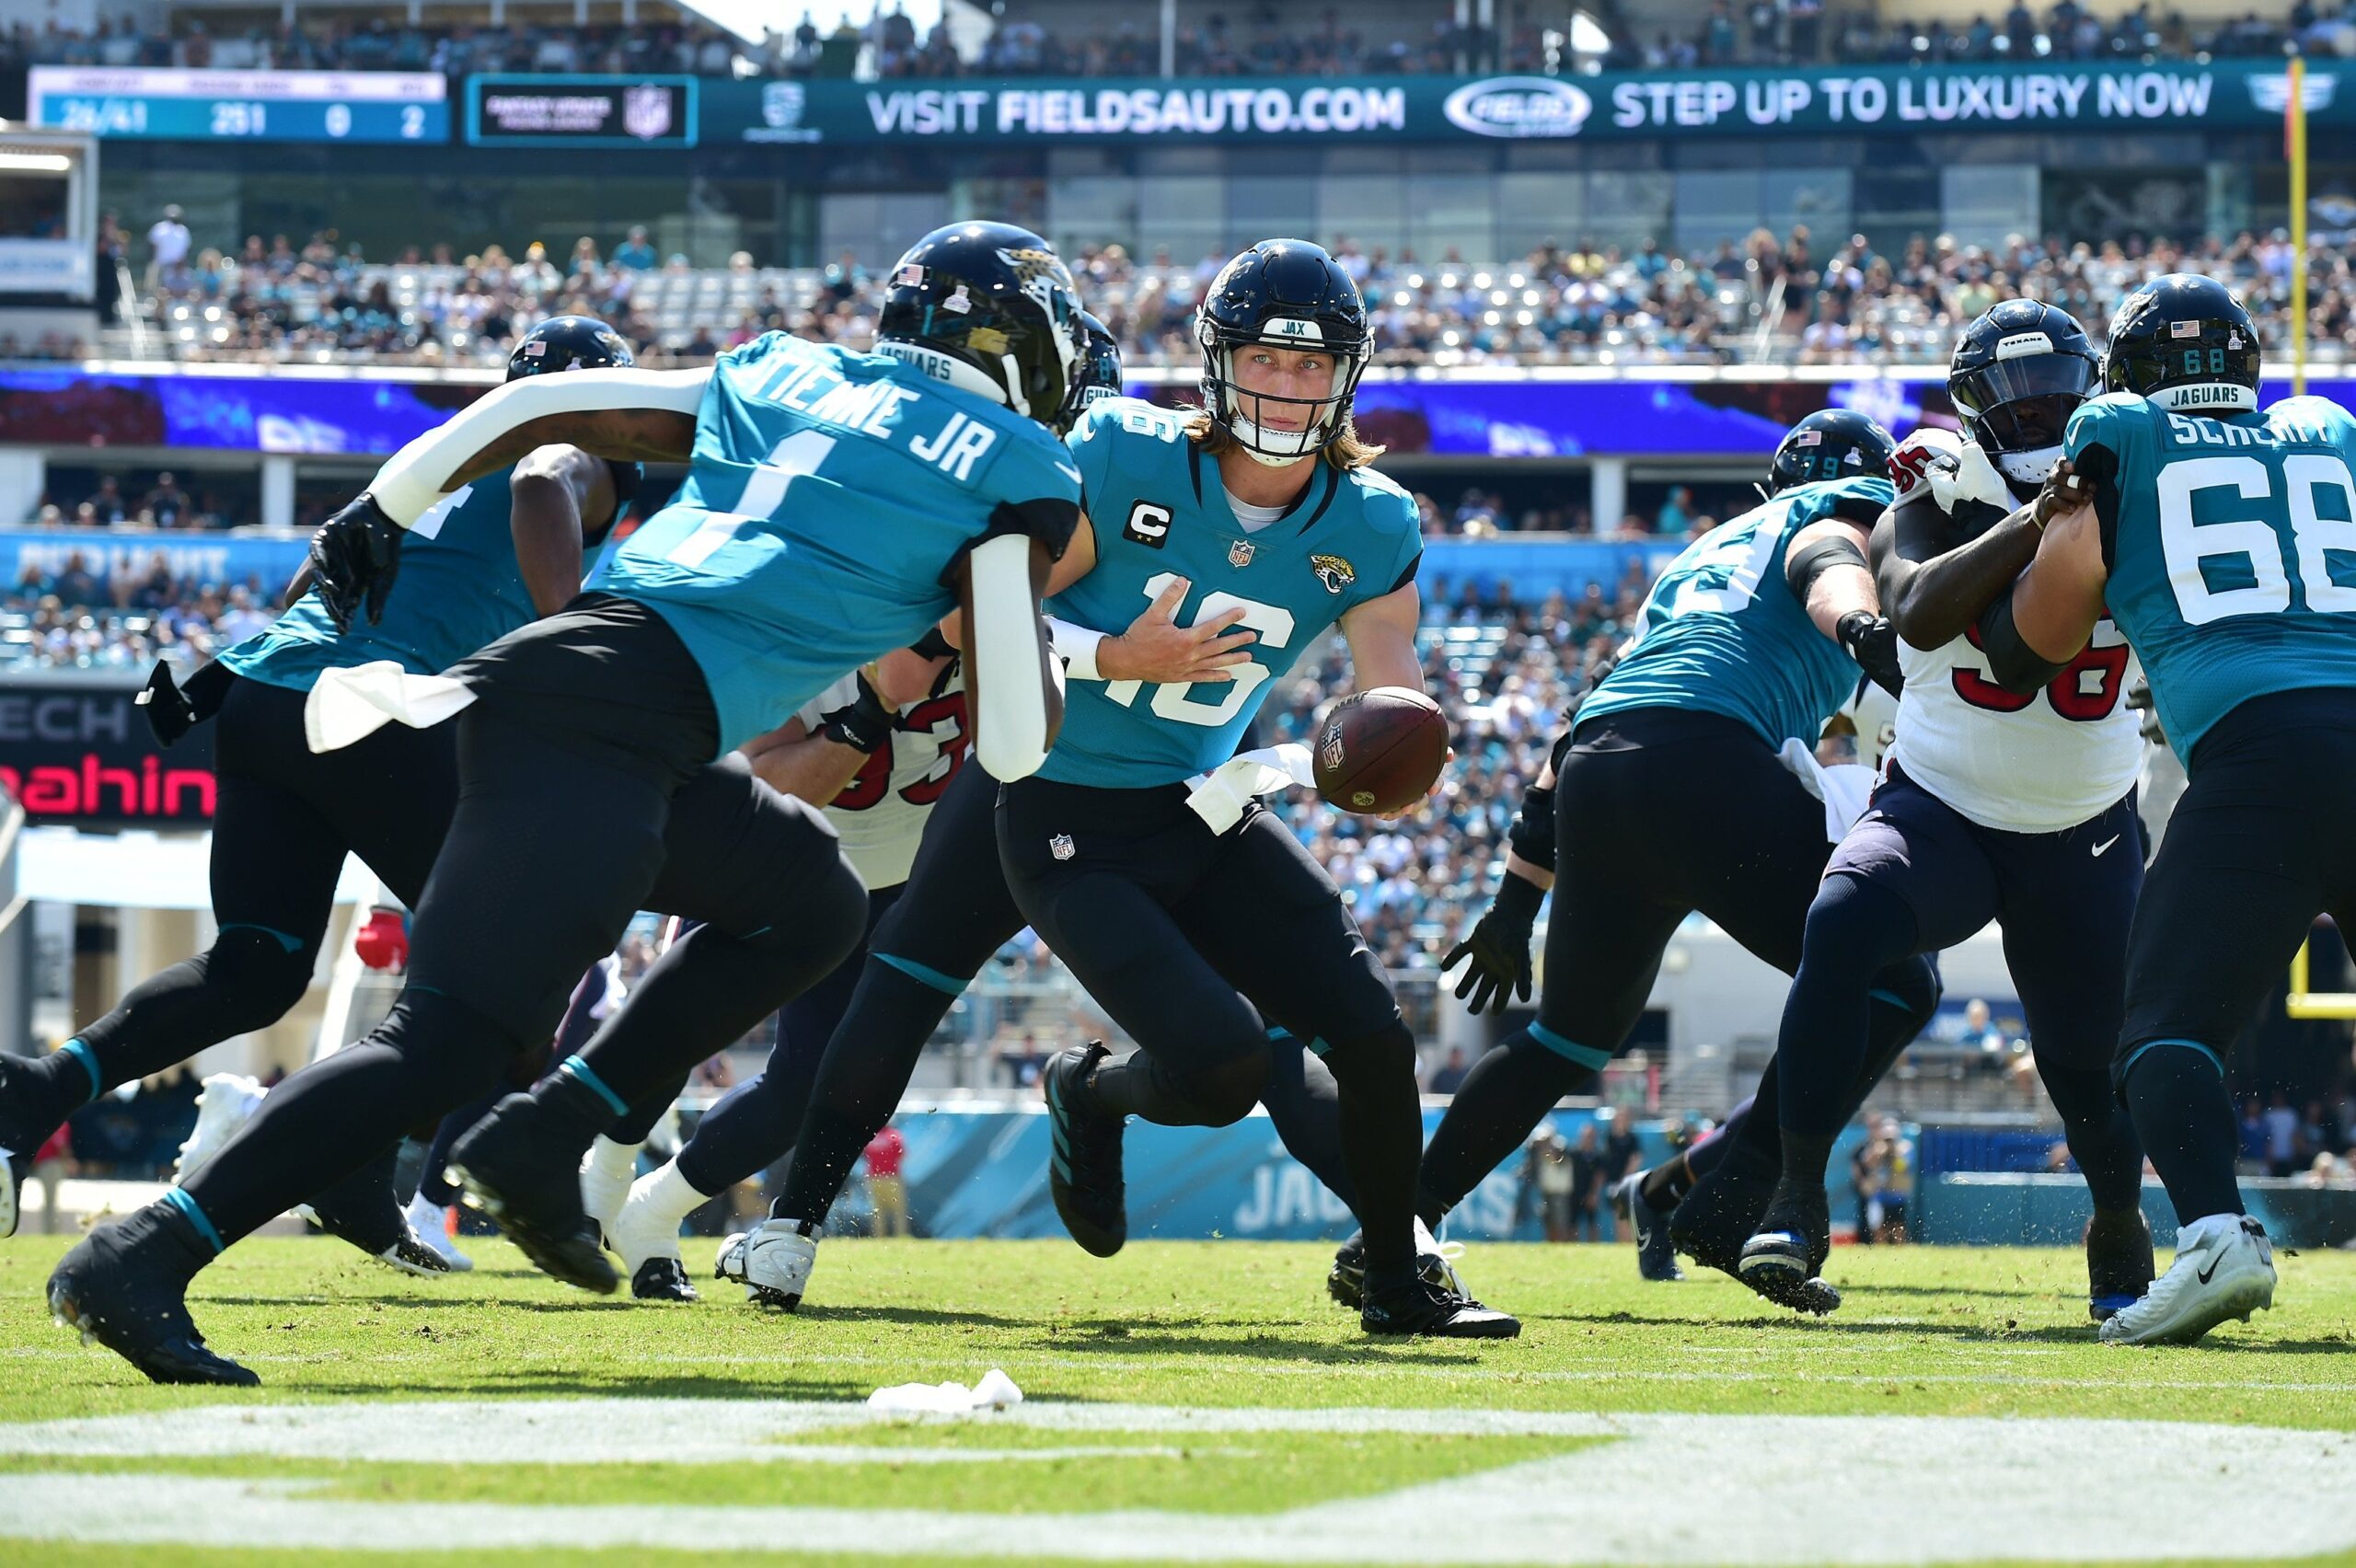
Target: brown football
[[1379, 750]]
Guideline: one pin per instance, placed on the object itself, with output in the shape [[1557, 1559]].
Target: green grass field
[[1185, 1402]]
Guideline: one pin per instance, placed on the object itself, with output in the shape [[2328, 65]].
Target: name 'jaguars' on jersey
[[1160, 512], [1721, 632], [828, 492], [2230, 549], [460, 590]]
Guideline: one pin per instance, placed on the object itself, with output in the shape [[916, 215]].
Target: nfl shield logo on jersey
[[1239, 553], [646, 111], [1060, 846]]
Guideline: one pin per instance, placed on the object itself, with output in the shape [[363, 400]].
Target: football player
[[1191, 498], [900, 766], [2215, 535], [838, 505], [493, 556], [1681, 788], [1990, 806]]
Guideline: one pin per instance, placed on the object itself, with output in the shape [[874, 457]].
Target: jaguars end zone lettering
[[79, 754]]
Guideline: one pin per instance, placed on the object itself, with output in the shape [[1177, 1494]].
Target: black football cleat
[[362, 1209], [1346, 1281], [1655, 1251], [1724, 1209], [1084, 1158], [662, 1279], [1422, 1308], [11, 1190], [1783, 1262], [125, 1286], [2118, 1261], [29, 1112], [525, 1175]]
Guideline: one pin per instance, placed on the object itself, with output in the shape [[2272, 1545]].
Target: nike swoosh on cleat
[[2104, 845], [2211, 1269]]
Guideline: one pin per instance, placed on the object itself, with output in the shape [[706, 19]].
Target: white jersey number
[[2187, 544], [765, 491], [1174, 702]]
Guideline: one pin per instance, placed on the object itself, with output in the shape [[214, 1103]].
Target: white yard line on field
[[1676, 1489]]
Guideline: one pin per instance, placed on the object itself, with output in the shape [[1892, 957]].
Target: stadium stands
[[1055, 39], [1760, 298]]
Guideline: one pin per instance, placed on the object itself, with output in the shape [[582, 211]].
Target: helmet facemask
[[1244, 414]]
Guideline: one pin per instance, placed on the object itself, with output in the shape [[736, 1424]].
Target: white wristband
[[1076, 646], [419, 475]]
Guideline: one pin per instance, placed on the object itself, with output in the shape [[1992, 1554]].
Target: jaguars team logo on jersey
[[1333, 571]]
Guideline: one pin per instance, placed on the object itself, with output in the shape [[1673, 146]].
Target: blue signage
[[242, 106]]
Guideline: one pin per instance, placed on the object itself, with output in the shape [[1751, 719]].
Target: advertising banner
[[1862, 100], [78, 753]]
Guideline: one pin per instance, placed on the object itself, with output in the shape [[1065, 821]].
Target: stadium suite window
[[32, 206]]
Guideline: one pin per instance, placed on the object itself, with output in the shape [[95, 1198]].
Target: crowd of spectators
[[1794, 296], [1259, 40]]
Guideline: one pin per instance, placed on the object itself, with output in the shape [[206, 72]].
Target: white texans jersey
[[1872, 717], [882, 811], [2036, 764]]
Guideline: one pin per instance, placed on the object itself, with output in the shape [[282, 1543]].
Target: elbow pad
[[1803, 567], [2012, 664], [1050, 521], [419, 474], [1532, 835], [1003, 662]]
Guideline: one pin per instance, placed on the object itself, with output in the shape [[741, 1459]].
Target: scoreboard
[[254, 106]]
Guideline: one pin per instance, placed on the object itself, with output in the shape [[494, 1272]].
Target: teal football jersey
[[828, 493], [1721, 632], [2231, 542], [1160, 512], [459, 589]]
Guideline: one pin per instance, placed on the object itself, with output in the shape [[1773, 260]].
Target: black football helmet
[[1100, 372], [2186, 342], [2018, 373], [1833, 443], [988, 307], [569, 342], [1287, 293]]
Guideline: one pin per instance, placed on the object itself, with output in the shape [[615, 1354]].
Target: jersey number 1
[[799, 453], [1173, 702]]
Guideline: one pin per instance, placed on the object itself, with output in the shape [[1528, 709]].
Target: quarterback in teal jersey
[[1674, 791], [489, 560], [837, 504], [2218, 537], [1259, 506]]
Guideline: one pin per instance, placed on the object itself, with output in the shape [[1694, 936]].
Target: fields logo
[[1518, 105], [646, 111]]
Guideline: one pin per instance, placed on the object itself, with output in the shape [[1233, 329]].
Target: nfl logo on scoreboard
[[646, 111]]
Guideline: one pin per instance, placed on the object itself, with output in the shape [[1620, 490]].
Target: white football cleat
[[646, 1227], [432, 1226], [227, 1103], [606, 1172], [2224, 1268], [776, 1257], [729, 1263]]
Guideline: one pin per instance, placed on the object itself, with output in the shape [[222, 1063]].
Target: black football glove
[[1496, 955], [864, 723], [355, 555], [1872, 641]]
